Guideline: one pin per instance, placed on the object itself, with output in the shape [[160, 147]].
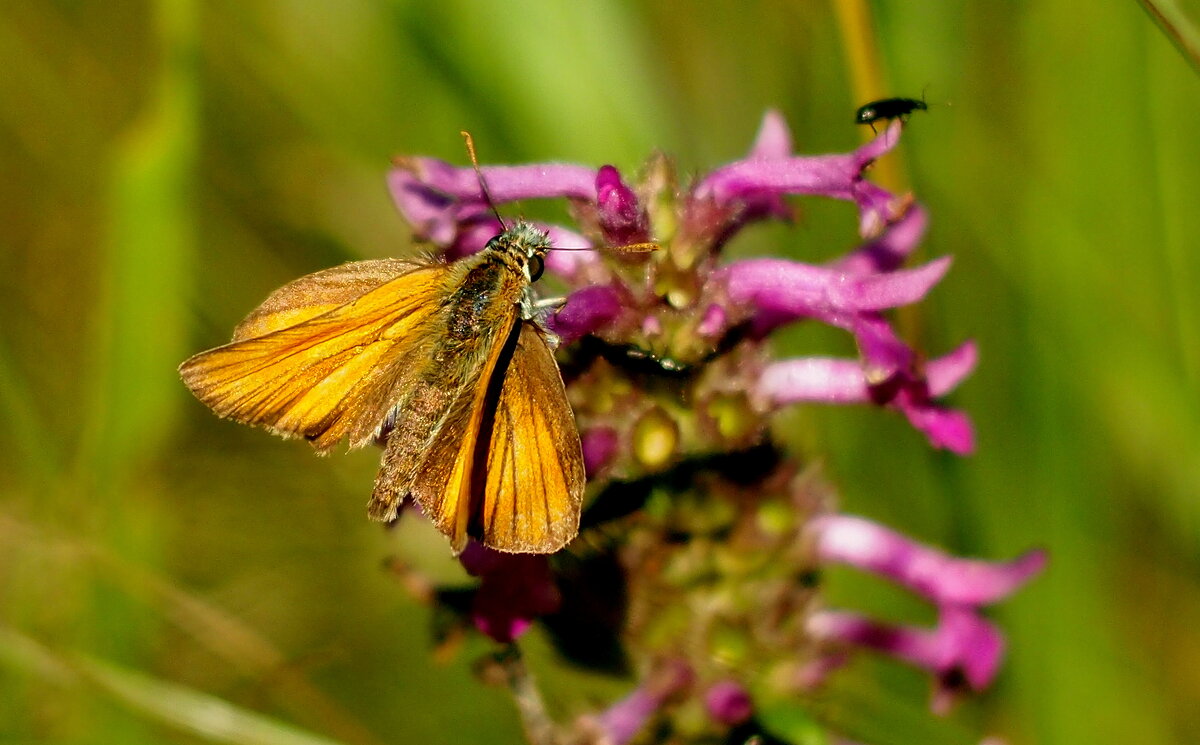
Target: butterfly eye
[[536, 267], [492, 243]]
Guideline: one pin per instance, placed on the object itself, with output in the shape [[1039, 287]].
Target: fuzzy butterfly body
[[446, 362]]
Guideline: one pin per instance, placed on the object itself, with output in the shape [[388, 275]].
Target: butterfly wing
[[313, 359], [319, 292], [435, 445], [503, 462], [535, 478]]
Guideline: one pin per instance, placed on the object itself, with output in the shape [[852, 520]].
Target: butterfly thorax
[[496, 278], [487, 288]]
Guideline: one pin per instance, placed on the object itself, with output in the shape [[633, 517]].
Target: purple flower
[[780, 291], [436, 197], [600, 445], [624, 719], [834, 381], [445, 204], [887, 251], [774, 139], [939, 577], [728, 702], [963, 646], [698, 535], [515, 589], [962, 652], [586, 311], [622, 219], [761, 178]]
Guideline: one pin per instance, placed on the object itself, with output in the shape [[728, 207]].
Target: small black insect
[[888, 108]]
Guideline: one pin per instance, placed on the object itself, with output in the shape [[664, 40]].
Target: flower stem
[[866, 77], [539, 727], [867, 80]]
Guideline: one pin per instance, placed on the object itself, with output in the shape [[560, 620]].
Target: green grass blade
[[141, 326], [186, 709]]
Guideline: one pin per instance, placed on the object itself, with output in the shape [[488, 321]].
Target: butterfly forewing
[[320, 292], [535, 477], [308, 360]]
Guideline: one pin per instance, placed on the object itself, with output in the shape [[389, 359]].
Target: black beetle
[[888, 108]]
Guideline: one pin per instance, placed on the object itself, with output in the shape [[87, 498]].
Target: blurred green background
[[169, 577]]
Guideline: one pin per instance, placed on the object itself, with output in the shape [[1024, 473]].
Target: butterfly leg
[[548, 303]]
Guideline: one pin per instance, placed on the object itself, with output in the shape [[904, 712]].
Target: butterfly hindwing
[[534, 483]]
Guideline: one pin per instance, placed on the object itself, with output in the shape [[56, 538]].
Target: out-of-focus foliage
[[165, 576]]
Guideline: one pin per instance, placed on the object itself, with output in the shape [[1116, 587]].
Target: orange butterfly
[[445, 360]]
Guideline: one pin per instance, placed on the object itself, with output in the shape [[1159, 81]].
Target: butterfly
[[446, 362]]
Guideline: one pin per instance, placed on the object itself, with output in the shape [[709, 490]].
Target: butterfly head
[[526, 245]]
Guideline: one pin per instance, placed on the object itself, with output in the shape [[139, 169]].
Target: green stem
[[866, 78]]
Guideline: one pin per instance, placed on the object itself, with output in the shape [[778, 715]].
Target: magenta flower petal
[[585, 311], [781, 291], [534, 181], [945, 373], [839, 381], [876, 208], [713, 322], [943, 579], [817, 379], [891, 290], [836, 176], [944, 428], [433, 215], [600, 446], [728, 703], [471, 236], [963, 649], [885, 357], [578, 255], [566, 241], [972, 644], [906, 643], [624, 719], [879, 145], [774, 139], [505, 183], [622, 219], [435, 197], [514, 590], [888, 251], [825, 175]]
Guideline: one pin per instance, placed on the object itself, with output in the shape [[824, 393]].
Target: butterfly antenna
[[479, 174]]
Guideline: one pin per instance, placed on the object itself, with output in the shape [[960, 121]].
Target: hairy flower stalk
[[695, 571]]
